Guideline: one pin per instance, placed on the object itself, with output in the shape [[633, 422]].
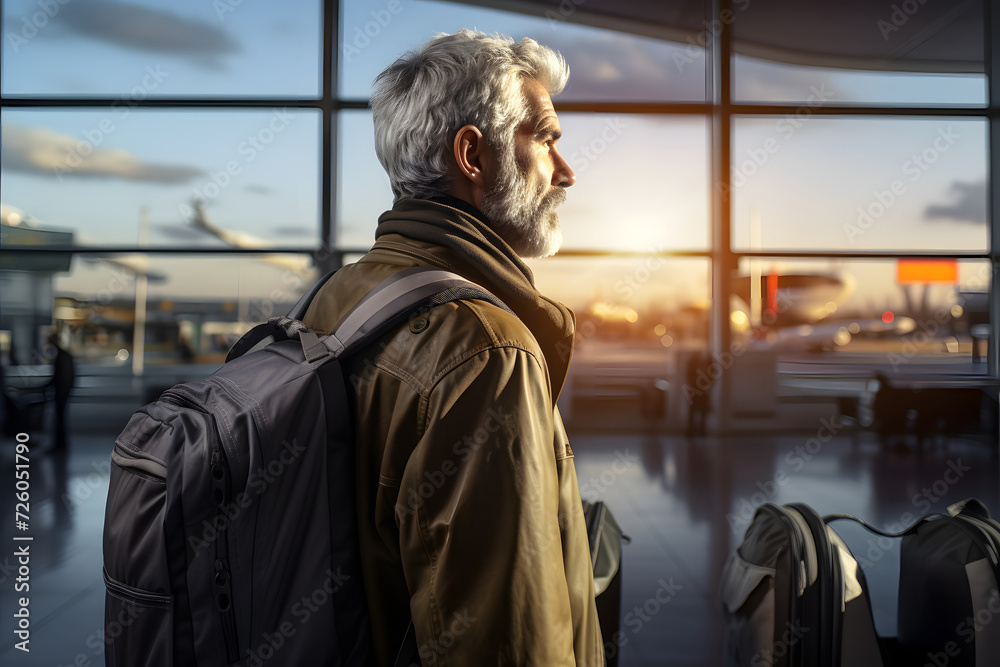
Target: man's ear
[[471, 153]]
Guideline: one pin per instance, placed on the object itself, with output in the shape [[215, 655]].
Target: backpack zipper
[[222, 580], [146, 467], [133, 595], [796, 563]]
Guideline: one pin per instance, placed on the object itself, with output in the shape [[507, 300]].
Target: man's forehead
[[540, 105]]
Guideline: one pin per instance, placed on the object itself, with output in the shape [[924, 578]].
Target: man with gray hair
[[469, 507]]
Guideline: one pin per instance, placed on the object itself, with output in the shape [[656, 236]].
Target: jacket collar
[[452, 234]]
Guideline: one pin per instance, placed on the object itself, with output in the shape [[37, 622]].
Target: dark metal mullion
[[736, 109], [327, 259], [874, 254], [663, 108], [786, 254], [163, 103], [329, 100], [723, 259], [564, 253], [991, 26], [161, 250], [826, 110]]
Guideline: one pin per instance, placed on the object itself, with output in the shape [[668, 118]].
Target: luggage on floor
[[794, 595], [230, 532], [949, 605], [606, 537]]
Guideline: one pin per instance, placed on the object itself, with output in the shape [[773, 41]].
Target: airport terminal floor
[[684, 502]]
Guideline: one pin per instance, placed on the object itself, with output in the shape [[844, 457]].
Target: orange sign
[[927, 271]]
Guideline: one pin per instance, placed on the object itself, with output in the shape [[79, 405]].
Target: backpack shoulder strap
[[390, 302], [396, 297], [298, 311]]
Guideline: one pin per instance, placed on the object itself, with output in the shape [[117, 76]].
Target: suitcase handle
[[867, 526], [968, 507]]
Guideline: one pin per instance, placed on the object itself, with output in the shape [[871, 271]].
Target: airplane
[[797, 310], [299, 264], [791, 299]]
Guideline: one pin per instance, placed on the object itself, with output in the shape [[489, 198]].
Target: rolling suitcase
[[606, 537], [793, 595], [948, 610]]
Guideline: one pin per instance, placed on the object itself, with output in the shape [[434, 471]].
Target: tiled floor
[[684, 503]]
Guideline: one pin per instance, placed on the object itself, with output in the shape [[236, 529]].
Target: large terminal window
[[191, 165]]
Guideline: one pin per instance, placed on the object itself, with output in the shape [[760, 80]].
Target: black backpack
[[230, 535]]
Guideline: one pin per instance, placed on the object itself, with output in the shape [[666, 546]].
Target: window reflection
[[758, 80], [194, 309], [802, 181], [866, 53], [642, 182], [605, 64], [146, 49], [94, 173], [639, 320], [644, 299]]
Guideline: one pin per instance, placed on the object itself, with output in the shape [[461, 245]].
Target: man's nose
[[563, 176]]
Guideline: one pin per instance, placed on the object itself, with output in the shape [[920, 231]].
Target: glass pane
[[146, 48], [901, 318], [906, 53], [639, 319], [195, 306], [363, 191], [859, 183], [125, 178], [604, 64], [615, 204], [758, 80]]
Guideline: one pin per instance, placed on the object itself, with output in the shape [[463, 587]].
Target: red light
[[888, 317]]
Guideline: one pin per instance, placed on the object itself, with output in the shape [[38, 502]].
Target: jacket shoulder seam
[[468, 356], [477, 311]]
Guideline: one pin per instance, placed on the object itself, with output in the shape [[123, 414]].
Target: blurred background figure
[[60, 386], [699, 382]]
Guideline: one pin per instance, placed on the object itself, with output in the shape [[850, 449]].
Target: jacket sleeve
[[478, 514]]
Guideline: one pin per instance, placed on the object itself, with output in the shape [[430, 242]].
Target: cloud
[[39, 150], [628, 67], [146, 29], [968, 204]]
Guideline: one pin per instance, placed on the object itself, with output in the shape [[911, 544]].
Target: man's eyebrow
[[545, 127]]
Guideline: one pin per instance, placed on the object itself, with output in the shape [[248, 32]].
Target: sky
[[804, 182]]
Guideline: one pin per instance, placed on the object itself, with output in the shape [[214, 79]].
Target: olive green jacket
[[468, 501]]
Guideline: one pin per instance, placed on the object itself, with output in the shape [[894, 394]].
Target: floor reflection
[[685, 504]]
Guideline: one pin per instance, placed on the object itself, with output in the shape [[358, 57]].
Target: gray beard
[[525, 219]]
